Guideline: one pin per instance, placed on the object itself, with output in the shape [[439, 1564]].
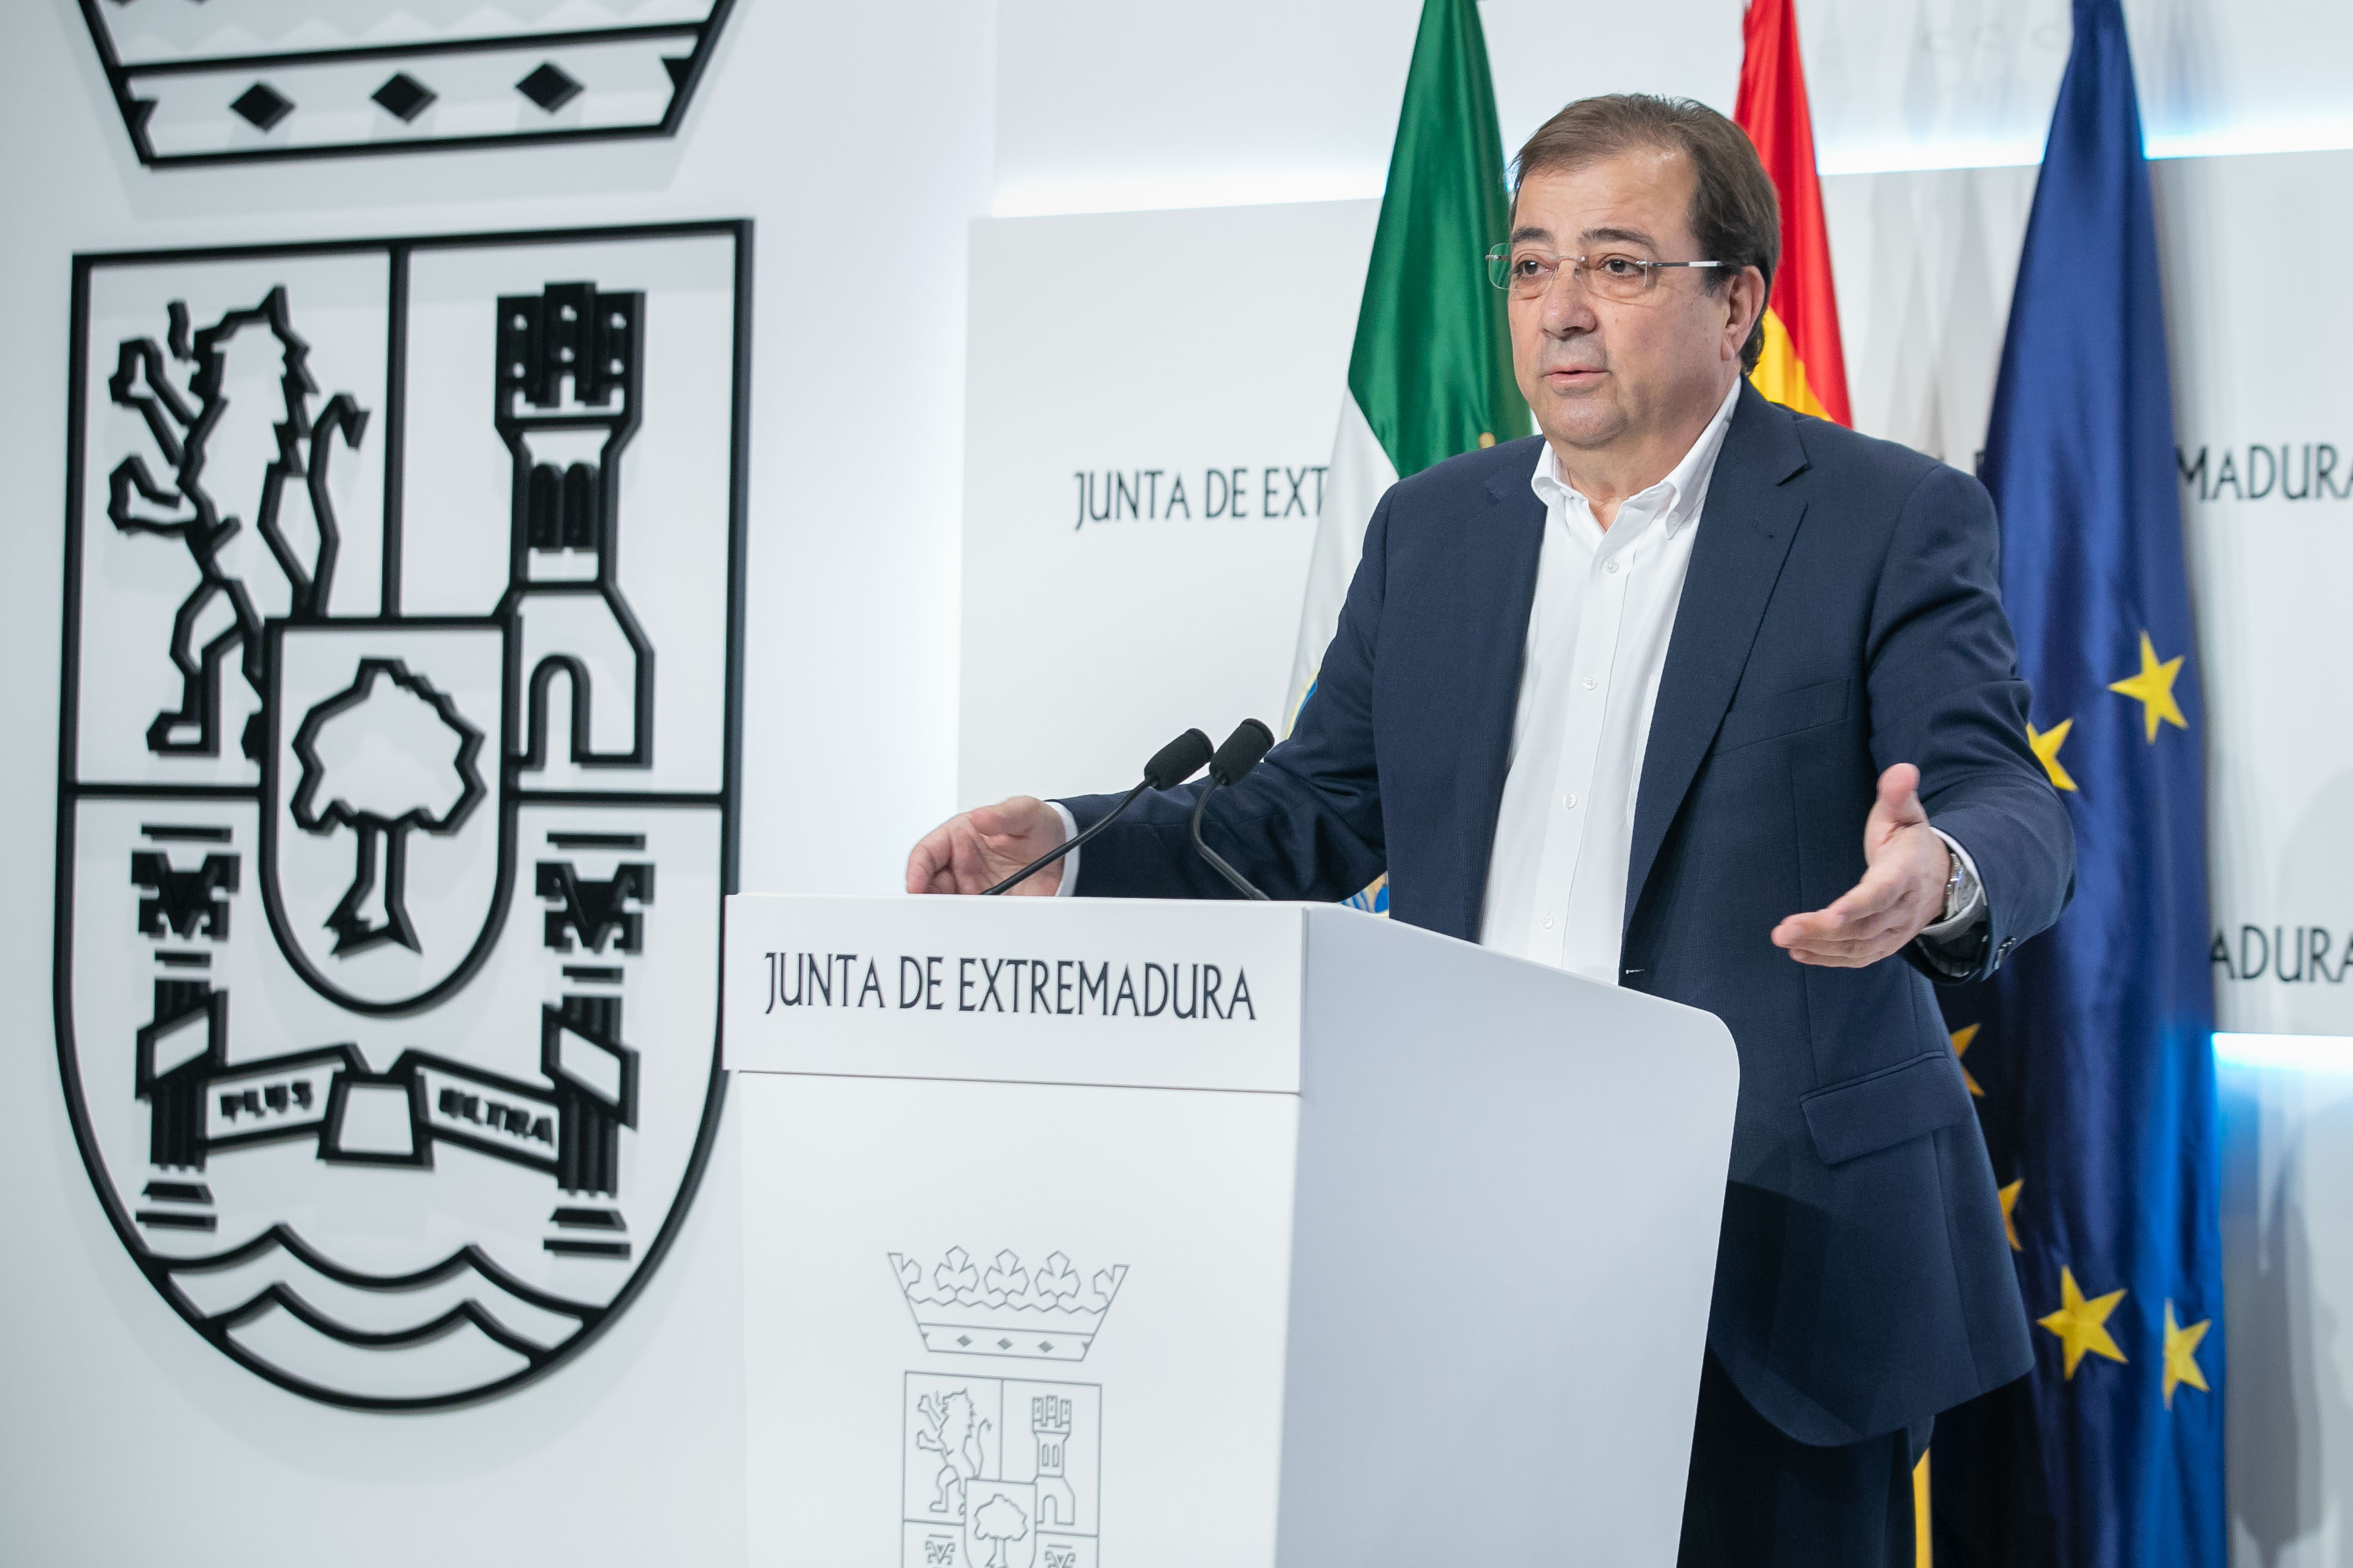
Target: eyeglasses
[[1529, 274]]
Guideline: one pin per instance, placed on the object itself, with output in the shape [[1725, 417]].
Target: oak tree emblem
[[389, 754]]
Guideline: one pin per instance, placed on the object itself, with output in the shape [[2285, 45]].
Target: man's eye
[[1529, 266], [1621, 266]]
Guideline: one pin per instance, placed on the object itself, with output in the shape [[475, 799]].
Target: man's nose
[[1568, 306]]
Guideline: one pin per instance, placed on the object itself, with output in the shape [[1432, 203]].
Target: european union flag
[[2093, 1048]]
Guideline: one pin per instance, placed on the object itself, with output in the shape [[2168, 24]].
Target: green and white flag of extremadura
[[1430, 375]]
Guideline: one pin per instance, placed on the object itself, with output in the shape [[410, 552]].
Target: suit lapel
[[1499, 556], [1744, 534]]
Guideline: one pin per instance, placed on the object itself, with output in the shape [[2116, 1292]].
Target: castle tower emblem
[[569, 385]]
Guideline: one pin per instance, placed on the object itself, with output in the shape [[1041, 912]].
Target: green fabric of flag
[[1433, 364], [1431, 374]]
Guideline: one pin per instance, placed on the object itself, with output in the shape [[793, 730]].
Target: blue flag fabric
[[2093, 1048]]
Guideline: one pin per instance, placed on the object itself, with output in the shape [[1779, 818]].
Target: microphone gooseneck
[[1171, 765], [1250, 742]]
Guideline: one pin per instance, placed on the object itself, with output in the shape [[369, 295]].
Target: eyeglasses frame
[[1503, 253]]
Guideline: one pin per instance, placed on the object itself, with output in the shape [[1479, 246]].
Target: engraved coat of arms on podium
[[1001, 1470]]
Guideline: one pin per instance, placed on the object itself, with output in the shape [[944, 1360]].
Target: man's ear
[[1753, 293]]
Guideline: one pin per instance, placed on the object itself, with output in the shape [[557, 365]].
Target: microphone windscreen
[[1177, 761], [1243, 748]]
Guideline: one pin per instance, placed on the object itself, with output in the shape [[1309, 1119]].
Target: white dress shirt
[[1598, 633], [1596, 646]]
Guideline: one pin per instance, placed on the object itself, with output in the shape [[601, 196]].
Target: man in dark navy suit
[[1714, 702]]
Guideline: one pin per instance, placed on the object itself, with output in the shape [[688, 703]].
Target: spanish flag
[[1802, 366]]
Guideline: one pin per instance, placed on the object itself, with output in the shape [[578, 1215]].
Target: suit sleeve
[[1306, 822], [1946, 695]]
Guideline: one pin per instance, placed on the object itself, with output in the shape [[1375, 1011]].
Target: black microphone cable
[[1171, 765], [1240, 754]]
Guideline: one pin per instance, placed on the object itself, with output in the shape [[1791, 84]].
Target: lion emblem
[[953, 1431]]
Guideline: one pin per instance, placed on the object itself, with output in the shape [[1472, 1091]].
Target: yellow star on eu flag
[[2009, 1211], [2046, 745], [1962, 1038], [2181, 1355], [2083, 1326], [2153, 689]]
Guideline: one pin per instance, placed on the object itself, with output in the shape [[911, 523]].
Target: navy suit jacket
[[1842, 613]]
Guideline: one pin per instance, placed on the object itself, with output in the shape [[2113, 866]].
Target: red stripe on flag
[[1772, 109]]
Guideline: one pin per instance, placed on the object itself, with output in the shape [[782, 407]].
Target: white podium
[[1161, 1234]]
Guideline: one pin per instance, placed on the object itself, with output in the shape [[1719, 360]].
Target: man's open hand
[[1901, 895], [976, 850]]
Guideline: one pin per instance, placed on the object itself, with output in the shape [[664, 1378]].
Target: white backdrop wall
[[2265, 421], [1152, 397], [2287, 1266], [863, 139], [1106, 107]]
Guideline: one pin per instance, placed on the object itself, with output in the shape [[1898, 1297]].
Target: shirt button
[[1548, 923], [1610, 566], [1589, 683], [1570, 801]]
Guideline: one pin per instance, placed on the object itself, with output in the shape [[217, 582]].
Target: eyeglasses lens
[[1529, 274]]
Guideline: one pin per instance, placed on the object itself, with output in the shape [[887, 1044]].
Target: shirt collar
[[1676, 496]]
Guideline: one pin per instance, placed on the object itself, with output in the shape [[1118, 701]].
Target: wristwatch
[[1954, 881]]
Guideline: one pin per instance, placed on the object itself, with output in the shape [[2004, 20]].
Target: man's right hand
[[973, 852]]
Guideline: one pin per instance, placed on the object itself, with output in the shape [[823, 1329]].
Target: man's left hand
[[1900, 895]]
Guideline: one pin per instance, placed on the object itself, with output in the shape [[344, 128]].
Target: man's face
[[1603, 374]]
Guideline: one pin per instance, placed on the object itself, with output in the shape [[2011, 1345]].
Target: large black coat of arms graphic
[[398, 784]]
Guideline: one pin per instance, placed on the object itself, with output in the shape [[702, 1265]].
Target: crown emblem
[[1004, 1309], [230, 80]]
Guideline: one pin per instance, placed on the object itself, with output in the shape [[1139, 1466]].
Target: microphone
[[1240, 754], [1171, 765]]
